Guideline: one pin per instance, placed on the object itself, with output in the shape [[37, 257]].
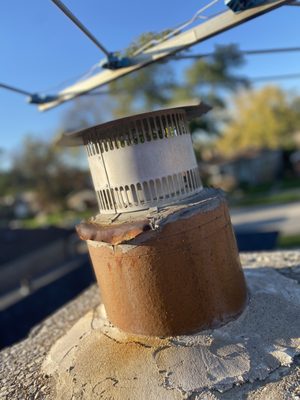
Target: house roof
[[15, 243]]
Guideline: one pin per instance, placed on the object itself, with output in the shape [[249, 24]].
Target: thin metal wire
[[178, 29], [90, 71], [76, 78], [14, 89], [274, 77], [244, 52], [250, 79], [91, 93], [76, 21]]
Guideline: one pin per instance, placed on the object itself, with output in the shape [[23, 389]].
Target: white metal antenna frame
[[200, 33]]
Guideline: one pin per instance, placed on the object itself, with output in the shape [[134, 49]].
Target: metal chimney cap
[[193, 109]]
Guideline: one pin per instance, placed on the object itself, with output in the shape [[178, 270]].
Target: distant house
[[295, 160], [27, 253], [251, 168], [82, 200], [22, 205], [40, 269]]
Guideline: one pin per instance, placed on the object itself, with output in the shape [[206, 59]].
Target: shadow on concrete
[[260, 224], [256, 240], [272, 323], [17, 320]]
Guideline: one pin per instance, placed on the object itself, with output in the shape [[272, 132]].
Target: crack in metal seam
[[93, 318], [127, 342], [111, 338], [159, 349], [115, 381], [65, 355]]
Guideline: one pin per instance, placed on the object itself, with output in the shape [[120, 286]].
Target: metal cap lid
[[193, 109]]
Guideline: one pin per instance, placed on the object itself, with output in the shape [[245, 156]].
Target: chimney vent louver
[[143, 161], [147, 161]]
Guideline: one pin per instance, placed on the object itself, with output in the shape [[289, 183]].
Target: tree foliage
[[217, 72], [40, 167], [265, 118], [86, 111], [145, 89], [49, 172], [211, 79], [158, 86], [146, 40]]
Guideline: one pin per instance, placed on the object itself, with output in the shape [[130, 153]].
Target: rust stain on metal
[[113, 234], [182, 278]]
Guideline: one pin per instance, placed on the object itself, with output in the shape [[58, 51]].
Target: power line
[[14, 89], [274, 77], [76, 78], [97, 93], [244, 52], [250, 79], [33, 98], [79, 25], [36, 96]]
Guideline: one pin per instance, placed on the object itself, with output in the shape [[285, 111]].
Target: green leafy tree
[[5, 177], [217, 72], [212, 79], [86, 111], [38, 166], [145, 89], [265, 118], [155, 86]]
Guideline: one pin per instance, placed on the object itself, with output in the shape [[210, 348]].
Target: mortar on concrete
[[96, 360]]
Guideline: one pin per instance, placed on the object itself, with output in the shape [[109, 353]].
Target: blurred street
[[283, 217]]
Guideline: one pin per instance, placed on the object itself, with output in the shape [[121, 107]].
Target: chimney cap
[[193, 109]]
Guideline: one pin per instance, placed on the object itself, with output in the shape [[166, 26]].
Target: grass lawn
[[288, 242], [279, 192], [56, 219], [286, 196]]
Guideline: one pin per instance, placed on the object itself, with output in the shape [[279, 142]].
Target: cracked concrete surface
[[83, 357], [95, 360]]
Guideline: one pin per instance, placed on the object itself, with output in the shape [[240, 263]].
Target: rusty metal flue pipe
[[162, 247]]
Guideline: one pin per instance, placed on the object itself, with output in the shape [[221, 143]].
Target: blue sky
[[40, 48]]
